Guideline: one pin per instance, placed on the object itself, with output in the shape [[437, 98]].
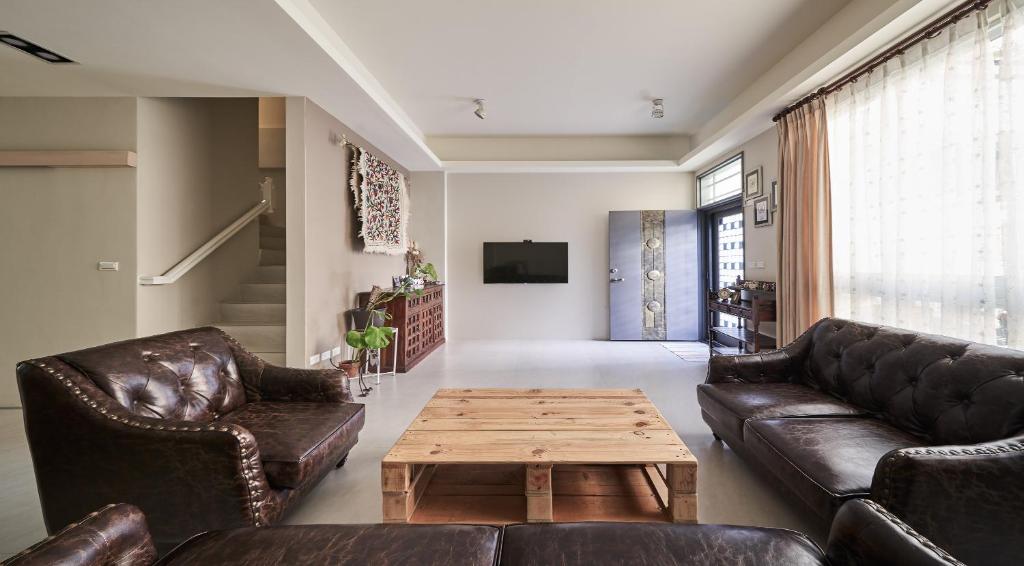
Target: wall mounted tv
[[526, 262]]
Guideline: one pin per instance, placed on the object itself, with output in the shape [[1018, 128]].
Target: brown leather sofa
[[928, 426], [188, 426], [863, 533]]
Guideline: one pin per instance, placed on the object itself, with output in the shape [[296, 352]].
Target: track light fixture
[[480, 111], [32, 49], [658, 108]]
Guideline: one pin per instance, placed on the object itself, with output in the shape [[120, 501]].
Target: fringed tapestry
[[382, 201]]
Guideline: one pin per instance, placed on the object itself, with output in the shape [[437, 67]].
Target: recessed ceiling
[[569, 67]]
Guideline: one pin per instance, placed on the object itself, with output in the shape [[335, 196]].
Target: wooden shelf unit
[[420, 324], [67, 158], [748, 335]]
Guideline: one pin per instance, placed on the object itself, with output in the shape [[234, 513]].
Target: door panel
[[682, 274], [624, 279]]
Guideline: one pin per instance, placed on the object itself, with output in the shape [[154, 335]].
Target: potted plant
[[374, 335]]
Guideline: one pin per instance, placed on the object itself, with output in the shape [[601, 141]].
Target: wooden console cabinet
[[420, 324]]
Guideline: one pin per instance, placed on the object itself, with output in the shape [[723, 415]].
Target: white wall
[[326, 265], [427, 221], [560, 207], [197, 173], [56, 224]]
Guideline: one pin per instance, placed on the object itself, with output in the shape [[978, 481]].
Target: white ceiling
[[197, 48], [569, 67]]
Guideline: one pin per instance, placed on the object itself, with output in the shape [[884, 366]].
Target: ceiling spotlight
[[658, 108], [480, 112], [32, 49]]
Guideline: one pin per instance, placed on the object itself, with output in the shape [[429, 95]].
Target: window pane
[[721, 183]]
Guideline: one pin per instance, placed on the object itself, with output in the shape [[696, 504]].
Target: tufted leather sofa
[[930, 427], [188, 426], [863, 533]]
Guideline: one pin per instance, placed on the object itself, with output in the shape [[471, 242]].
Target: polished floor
[[729, 492]]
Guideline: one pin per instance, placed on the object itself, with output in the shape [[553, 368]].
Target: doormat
[[689, 351]]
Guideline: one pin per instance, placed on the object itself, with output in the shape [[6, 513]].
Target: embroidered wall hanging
[[382, 201]]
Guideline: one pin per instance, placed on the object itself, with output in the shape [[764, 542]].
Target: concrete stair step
[[272, 243], [269, 274], [275, 358], [247, 311], [272, 257], [264, 292], [272, 231], [256, 337]]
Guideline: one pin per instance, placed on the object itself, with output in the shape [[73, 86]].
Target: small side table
[[377, 354]]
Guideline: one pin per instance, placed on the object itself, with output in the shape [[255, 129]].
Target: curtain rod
[[928, 31]]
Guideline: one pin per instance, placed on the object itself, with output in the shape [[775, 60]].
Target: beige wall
[[560, 207], [197, 173], [326, 266], [57, 224]]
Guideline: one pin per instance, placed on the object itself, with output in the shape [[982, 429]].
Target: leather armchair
[[188, 426]]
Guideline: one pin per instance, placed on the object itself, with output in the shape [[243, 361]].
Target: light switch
[[314, 359], [108, 266]]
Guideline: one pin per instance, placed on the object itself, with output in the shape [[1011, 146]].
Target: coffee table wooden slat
[[539, 429]]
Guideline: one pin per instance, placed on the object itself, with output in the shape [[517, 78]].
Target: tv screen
[[526, 262]]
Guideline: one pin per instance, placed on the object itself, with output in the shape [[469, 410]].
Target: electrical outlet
[[314, 359], [325, 355], [336, 352]]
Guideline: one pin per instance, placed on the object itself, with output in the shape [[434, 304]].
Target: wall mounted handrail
[[193, 259]]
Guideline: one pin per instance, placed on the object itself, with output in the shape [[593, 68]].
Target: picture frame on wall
[[774, 195], [752, 184], [762, 212]]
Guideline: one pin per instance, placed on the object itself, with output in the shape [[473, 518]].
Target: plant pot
[[350, 367]]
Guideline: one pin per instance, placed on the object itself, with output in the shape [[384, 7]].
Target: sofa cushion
[[825, 461], [596, 544], [189, 375], [950, 390], [299, 441], [304, 545], [732, 403]]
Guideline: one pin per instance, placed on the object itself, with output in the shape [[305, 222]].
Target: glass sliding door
[[726, 246]]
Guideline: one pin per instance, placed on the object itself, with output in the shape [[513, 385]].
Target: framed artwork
[[774, 195], [762, 212], [752, 184]]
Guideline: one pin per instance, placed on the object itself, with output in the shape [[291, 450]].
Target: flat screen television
[[526, 262]]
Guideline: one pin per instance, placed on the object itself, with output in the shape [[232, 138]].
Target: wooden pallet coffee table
[[493, 454]]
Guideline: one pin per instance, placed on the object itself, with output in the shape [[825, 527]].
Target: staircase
[[256, 317]]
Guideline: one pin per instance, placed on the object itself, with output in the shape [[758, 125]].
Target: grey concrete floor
[[728, 491]]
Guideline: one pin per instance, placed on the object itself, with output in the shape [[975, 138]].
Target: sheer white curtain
[[927, 169]]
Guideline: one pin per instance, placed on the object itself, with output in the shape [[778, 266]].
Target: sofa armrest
[[88, 450], [776, 366], [116, 534], [290, 384], [267, 382], [863, 532], [968, 500]]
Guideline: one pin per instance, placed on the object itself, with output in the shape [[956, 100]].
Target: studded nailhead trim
[[909, 531], [250, 465]]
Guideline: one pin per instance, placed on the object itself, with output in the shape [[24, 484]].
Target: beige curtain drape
[[805, 292]]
